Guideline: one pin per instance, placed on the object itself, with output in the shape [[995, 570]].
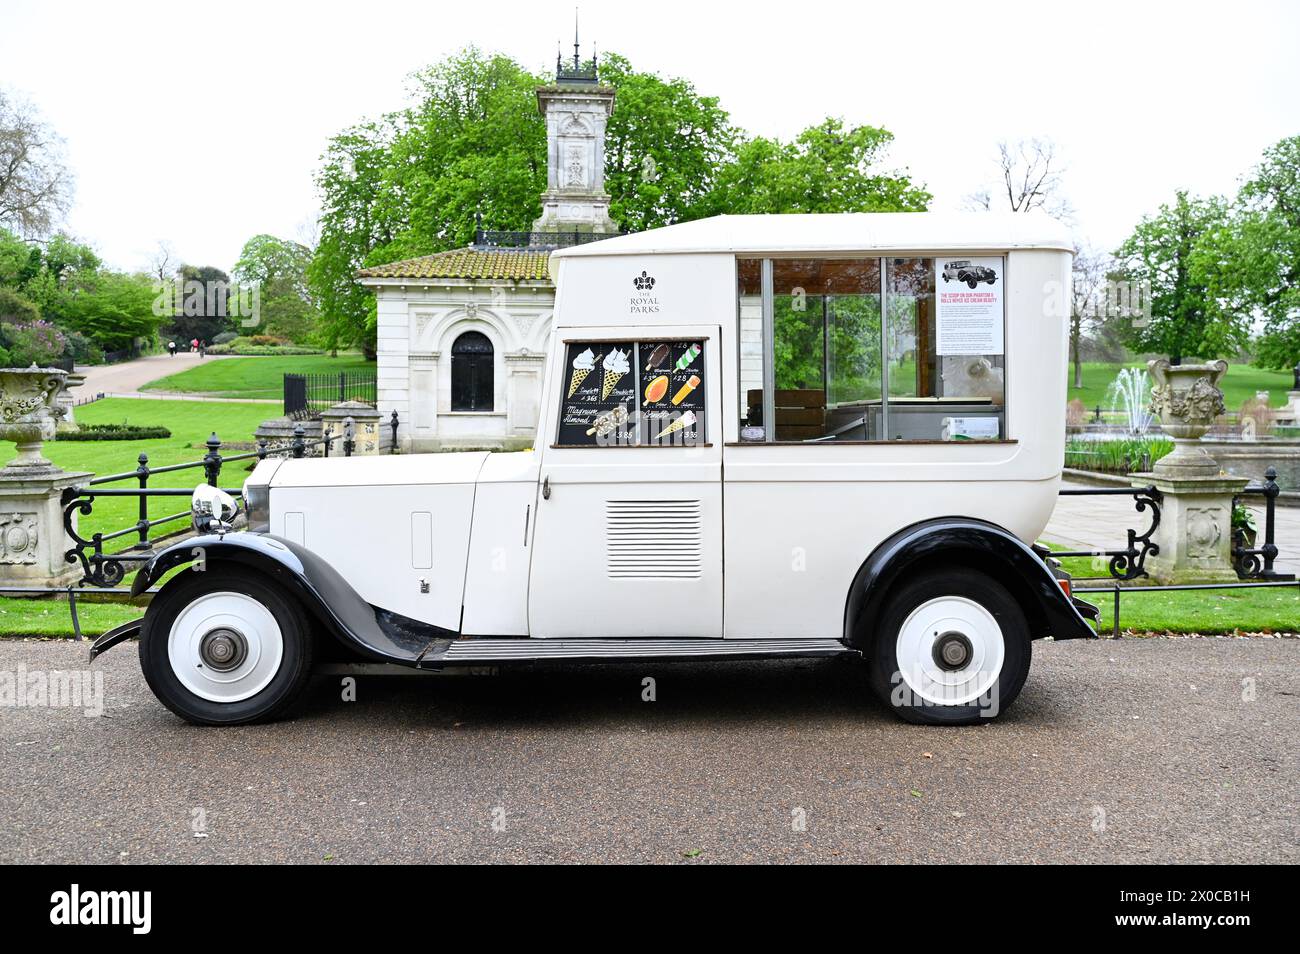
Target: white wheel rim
[[936, 619], [232, 618]]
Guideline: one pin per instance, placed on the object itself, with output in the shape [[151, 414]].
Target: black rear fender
[[967, 542]]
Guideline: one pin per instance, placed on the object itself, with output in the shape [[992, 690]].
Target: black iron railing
[[488, 238], [307, 395], [1129, 563], [104, 566], [1252, 562]]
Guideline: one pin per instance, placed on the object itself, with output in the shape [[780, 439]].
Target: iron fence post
[[142, 474], [1269, 550], [212, 460], [261, 448], [349, 436], [298, 446], [393, 424]]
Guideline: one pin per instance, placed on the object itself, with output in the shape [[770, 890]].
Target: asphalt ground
[[1156, 750]]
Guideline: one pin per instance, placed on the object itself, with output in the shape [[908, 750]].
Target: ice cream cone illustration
[[616, 365], [582, 366], [691, 384], [683, 422]]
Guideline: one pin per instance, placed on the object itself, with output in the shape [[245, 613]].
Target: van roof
[[840, 232]]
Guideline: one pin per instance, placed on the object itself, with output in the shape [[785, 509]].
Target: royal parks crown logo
[[643, 303]]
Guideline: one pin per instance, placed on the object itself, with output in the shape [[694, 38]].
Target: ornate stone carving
[[1203, 533], [1187, 399], [19, 538], [29, 412], [575, 171]]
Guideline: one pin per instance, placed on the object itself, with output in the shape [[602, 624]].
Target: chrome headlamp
[[212, 510]]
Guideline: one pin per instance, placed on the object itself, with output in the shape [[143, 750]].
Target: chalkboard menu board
[[632, 393]]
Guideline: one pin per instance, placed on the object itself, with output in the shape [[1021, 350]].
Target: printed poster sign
[[632, 393], [968, 305]]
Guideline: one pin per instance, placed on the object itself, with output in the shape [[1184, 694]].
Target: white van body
[[782, 528], [737, 540]]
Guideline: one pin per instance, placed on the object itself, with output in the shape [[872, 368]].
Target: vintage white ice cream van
[[760, 436]]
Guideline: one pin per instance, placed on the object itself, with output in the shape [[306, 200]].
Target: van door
[[628, 534]]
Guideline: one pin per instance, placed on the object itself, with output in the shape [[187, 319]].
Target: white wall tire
[[224, 647], [950, 648]]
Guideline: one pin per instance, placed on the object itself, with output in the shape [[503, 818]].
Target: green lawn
[[190, 423], [1241, 382], [257, 378], [50, 617], [1265, 609]]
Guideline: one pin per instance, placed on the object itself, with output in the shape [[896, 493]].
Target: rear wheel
[[223, 647], [951, 648]]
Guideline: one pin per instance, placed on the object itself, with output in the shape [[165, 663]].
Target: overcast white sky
[[202, 123]]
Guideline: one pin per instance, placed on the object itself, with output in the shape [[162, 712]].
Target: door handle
[[546, 488]]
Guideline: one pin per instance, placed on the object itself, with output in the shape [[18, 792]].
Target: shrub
[[5, 360], [1116, 457], [35, 342], [15, 308], [83, 350], [115, 432]]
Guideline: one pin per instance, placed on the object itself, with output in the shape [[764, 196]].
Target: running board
[[497, 650]]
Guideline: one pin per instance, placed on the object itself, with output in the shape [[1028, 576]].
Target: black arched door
[[471, 372]]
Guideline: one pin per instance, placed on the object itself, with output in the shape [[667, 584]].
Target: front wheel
[[951, 648], [223, 647]]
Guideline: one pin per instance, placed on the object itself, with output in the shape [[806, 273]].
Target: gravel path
[[1153, 736]]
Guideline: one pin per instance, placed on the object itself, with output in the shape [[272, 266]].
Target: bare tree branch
[[35, 185]]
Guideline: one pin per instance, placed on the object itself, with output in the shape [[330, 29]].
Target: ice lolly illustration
[[607, 423], [657, 357], [688, 357], [691, 384], [582, 366], [616, 365], [656, 389], [686, 420]]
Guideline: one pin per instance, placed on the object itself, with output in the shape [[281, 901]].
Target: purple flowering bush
[[33, 342]]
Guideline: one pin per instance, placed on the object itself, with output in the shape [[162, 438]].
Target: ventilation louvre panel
[[654, 539]]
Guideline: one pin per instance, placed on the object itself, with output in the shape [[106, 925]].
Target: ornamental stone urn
[[29, 414], [1187, 399]]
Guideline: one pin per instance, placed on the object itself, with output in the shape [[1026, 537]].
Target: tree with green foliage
[[664, 145], [1167, 251], [1254, 258], [278, 268], [110, 307], [826, 168]]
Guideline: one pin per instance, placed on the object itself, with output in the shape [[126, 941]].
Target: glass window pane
[[826, 331], [749, 295], [950, 396]]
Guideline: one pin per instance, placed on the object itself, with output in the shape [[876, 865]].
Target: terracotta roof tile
[[495, 263]]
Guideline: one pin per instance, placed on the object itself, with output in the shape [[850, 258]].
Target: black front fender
[[318, 586], [962, 541]]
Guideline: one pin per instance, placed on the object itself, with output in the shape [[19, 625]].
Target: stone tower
[[576, 108]]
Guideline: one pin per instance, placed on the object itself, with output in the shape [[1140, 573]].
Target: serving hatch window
[[824, 357], [633, 394]]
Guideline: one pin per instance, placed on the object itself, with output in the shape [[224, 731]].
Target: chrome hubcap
[[952, 651], [223, 649]]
